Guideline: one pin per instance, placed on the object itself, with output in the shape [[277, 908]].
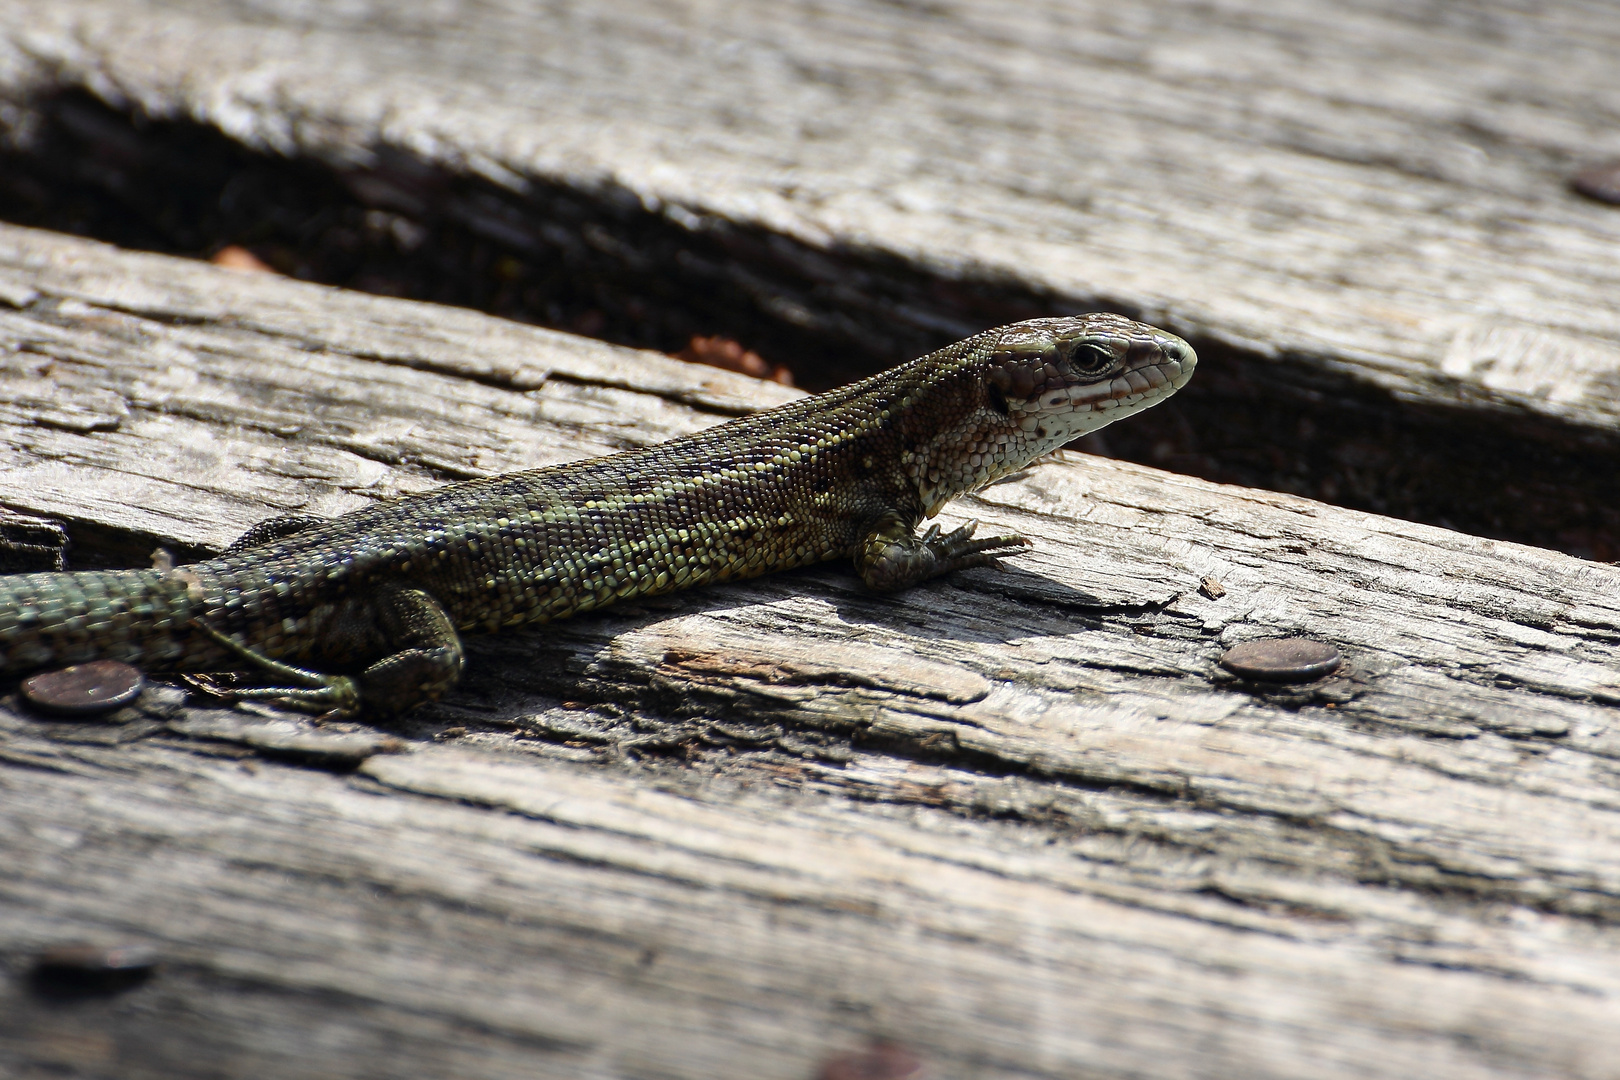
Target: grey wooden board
[[1017, 821], [1376, 190]]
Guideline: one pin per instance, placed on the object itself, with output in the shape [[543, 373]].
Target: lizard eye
[[998, 400], [1089, 359]]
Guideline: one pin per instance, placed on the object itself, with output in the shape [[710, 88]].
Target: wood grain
[[1020, 822], [1361, 216], [1375, 190]]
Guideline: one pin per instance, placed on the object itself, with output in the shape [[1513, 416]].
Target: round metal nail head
[[96, 958], [1282, 660], [75, 971], [84, 689], [881, 1061], [1600, 182]]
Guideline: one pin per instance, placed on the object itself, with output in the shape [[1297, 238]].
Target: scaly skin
[[370, 606]]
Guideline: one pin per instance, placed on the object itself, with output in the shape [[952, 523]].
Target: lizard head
[[1024, 390]]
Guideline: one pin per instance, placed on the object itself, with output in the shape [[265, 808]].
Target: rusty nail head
[[97, 958], [1282, 660], [84, 689], [882, 1060], [1600, 182], [79, 971]]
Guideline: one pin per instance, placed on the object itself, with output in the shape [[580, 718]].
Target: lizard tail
[[141, 617]]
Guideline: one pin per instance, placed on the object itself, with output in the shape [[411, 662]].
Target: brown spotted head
[[1024, 390]]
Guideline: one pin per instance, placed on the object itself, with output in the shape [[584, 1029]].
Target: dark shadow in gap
[[601, 263]]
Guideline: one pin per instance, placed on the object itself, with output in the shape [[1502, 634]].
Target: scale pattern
[[377, 599]]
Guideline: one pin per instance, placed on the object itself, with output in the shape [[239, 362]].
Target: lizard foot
[[336, 696], [892, 558]]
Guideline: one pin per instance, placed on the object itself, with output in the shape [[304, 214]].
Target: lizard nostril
[[1143, 352]]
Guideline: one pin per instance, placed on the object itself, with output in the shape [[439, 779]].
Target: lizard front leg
[[425, 660], [892, 557]]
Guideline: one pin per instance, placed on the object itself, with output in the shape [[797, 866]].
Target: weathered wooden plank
[[1373, 190], [340, 408], [1020, 821]]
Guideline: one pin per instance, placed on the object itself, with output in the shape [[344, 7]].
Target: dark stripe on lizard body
[[382, 593]]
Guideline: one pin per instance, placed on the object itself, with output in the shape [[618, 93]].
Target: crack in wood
[[606, 263]]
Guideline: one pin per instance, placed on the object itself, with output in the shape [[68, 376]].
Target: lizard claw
[[957, 550], [893, 559]]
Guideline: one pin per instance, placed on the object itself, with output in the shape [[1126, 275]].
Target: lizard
[[365, 612]]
